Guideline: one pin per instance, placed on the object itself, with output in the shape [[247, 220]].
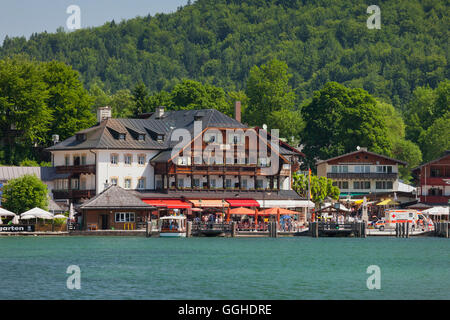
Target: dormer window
[[141, 137], [121, 136], [81, 137], [160, 137]]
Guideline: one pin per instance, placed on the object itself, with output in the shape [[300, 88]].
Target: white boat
[[172, 226]]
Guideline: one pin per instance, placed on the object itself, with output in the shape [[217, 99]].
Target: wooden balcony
[[73, 194], [353, 175], [236, 170], [90, 168], [435, 199], [435, 181], [188, 190]]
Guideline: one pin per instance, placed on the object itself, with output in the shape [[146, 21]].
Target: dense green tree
[[99, 96], [24, 114], [25, 193], [122, 104], [339, 119], [289, 122], [217, 42], [425, 107], [321, 187], [268, 91], [162, 98], [37, 100], [409, 152], [190, 94], [436, 139], [140, 98], [69, 102]]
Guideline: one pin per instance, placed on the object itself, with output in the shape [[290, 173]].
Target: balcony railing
[[71, 194], [435, 181], [199, 189], [354, 175], [89, 168], [435, 199]]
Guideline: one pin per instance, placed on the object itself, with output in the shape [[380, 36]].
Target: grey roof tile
[[115, 197]]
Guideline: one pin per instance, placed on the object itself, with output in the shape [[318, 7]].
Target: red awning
[[242, 203], [155, 203], [176, 204], [168, 203]]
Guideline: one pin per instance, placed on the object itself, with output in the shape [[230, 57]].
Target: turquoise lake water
[[224, 268]]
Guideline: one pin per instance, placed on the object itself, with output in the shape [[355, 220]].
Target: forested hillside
[[219, 41], [311, 69]]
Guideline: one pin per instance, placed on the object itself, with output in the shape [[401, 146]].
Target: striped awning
[[201, 203]]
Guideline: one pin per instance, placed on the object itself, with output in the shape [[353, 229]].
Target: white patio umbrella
[[437, 211], [60, 216], [15, 220], [6, 213], [37, 213], [27, 217], [71, 212]]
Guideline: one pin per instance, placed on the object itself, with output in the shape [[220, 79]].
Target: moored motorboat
[[172, 226]]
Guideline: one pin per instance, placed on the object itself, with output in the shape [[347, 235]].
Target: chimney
[[237, 111], [103, 113], [159, 112]]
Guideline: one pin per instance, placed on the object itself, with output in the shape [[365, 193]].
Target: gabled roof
[[115, 197], [445, 155], [362, 151], [104, 135]]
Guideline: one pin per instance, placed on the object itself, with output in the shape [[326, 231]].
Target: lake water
[[224, 268]]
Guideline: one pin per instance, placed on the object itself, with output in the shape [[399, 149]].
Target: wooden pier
[[334, 229], [441, 229]]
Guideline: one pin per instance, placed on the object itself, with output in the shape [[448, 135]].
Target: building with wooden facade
[[433, 180], [149, 155], [362, 173]]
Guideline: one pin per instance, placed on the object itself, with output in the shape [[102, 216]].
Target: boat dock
[[270, 230]]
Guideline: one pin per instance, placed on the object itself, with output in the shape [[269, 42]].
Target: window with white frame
[[196, 183], [127, 183], [75, 184], [114, 181], [141, 183], [125, 216], [141, 159], [128, 158], [114, 158], [384, 169]]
